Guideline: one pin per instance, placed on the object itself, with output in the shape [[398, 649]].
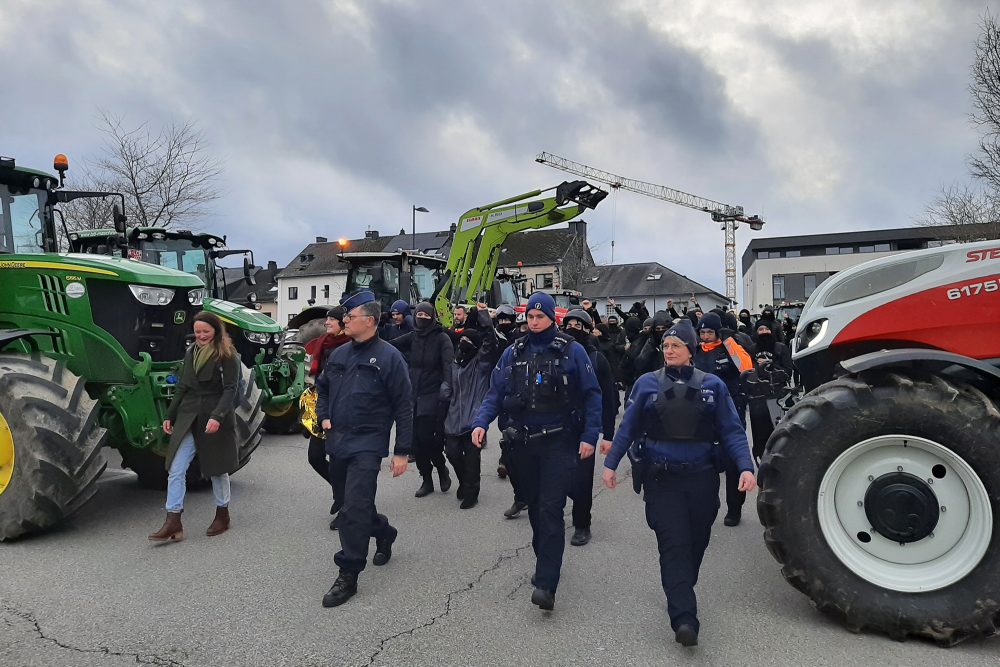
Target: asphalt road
[[96, 592]]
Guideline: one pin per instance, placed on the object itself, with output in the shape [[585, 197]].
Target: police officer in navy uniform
[[672, 420], [546, 394], [364, 388]]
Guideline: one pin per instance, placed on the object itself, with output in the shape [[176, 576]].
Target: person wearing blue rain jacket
[[673, 418], [546, 394]]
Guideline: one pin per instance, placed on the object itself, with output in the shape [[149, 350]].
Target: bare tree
[[972, 212], [985, 88], [167, 176], [964, 214]]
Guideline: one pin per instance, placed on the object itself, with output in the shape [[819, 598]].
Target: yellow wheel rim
[[6, 454]]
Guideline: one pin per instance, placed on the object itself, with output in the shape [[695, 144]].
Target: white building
[[648, 282], [787, 269]]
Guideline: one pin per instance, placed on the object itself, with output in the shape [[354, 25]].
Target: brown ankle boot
[[221, 522], [171, 530]]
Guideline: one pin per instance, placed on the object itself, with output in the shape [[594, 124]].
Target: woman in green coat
[[200, 421]]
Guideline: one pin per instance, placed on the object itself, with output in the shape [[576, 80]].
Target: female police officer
[[673, 417]]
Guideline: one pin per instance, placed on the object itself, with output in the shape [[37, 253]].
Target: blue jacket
[[640, 407], [364, 388], [582, 377]]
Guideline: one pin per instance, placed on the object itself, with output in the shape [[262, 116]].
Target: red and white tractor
[[880, 489]]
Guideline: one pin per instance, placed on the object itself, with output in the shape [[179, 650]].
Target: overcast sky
[[332, 117]]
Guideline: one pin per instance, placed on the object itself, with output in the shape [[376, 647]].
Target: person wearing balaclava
[[671, 443], [429, 353], [546, 395], [506, 323], [767, 317], [745, 323], [477, 353], [401, 321], [727, 360], [578, 325], [650, 358]]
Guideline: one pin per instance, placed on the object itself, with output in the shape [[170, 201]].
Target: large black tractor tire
[[249, 417], [856, 509], [53, 435]]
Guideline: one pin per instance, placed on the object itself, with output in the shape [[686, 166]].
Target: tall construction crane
[[729, 216]]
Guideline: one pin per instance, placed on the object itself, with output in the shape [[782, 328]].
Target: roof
[[863, 237], [238, 289], [322, 258], [615, 280], [536, 248]]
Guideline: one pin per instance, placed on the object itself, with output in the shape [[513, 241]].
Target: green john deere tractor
[[90, 349], [278, 365]]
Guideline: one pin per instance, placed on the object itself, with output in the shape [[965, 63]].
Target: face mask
[[421, 322], [466, 348], [505, 327], [579, 335]]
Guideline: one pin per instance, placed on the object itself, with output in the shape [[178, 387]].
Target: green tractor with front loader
[[90, 349], [277, 363]]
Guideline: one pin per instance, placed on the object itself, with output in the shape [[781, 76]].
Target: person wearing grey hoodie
[[477, 353]]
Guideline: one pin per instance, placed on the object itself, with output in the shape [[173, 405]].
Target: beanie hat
[[684, 332], [543, 302], [474, 337], [337, 313], [401, 307], [648, 322], [710, 320], [425, 308]]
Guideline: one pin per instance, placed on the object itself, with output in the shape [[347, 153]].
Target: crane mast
[[730, 216]]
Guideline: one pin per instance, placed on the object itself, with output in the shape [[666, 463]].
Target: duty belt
[[513, 434], [657, 468]]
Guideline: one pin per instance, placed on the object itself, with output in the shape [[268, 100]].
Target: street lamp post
[[413, 241]]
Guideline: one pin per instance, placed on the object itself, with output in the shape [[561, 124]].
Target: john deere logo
[[179, 317]]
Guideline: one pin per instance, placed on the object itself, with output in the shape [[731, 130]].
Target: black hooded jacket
[[429, 354], [605, 378]]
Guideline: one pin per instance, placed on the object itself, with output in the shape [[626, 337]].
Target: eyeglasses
[[349, 317]]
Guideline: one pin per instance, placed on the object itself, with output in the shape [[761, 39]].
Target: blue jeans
[[177, 478]]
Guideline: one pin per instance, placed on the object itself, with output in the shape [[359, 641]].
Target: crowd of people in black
[[556, 392]]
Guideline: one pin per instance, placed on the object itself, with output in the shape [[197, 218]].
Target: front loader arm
[[475, 250]]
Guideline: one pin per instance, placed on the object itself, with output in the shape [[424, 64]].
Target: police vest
[[681, 413], [540, 382]]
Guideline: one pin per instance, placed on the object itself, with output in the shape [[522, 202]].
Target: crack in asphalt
[[501, 559], [139, 658]]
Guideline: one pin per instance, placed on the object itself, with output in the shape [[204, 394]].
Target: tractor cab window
[[423, 280], [180, 254], [21, 220], [507, 293]]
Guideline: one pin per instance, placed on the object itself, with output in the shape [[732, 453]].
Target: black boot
[[686, 635], [445, 478], [383, 549], [460, 492], [343, 589], [515, 509], [732, 518], [426, 488], [468, 502], [580, 537], [544, 599]]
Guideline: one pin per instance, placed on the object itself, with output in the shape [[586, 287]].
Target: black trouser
[[582, 492], [333, 471], [359, 520], [544, 472], [505, 462], [681, 508], [734, 497], [428, 445], [466, 459]]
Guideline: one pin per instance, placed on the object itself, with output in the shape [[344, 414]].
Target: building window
[[778, 287], [326, 291], [883, 247], [809, 284], [293, 293], [846, 250], [793, 253], [833, 251], [866, 248], [312, 292], [543, 281], [290, 316]]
